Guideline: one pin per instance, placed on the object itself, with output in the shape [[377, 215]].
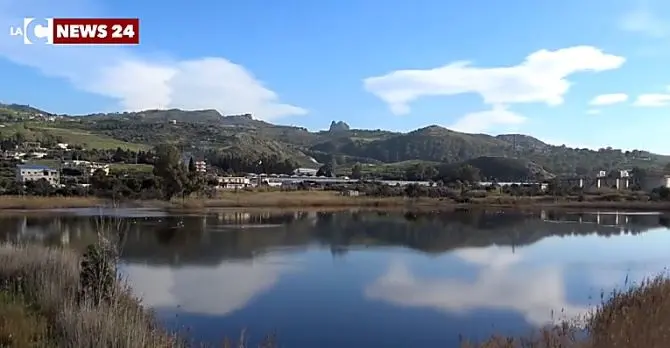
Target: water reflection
[[383, 279], [214, 290]]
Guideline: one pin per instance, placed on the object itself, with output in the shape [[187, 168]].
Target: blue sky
[[515, 66]]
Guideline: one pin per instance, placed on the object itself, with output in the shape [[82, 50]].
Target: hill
[[208, 130], [18, 112], [503, 169], [439, 144]]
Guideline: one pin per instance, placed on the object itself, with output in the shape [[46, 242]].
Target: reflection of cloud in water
[[216, 290], [501, 285]]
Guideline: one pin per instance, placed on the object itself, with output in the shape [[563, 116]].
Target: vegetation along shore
[[334, 200]]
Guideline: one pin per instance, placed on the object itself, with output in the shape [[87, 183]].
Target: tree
[[196, 183], [191, 166], [468, 173], [169, 168], [356, 171], [326, 170]]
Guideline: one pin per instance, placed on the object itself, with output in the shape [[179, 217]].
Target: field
[[130, 168], [90, 140], [33, 130]]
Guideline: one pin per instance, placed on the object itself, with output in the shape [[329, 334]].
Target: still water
[[368, 279]]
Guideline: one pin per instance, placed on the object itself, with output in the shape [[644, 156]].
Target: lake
[[367, 279]]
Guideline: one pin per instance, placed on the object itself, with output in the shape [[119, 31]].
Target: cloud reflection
[[503, 283], [218, 290]]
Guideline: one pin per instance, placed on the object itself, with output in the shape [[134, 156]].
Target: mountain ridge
[[209, 129]]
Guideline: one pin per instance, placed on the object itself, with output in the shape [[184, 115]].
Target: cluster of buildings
[[32, 150], [34, 172], [622, 180]]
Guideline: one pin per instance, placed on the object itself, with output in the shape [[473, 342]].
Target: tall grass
[[47, 293], [52, 297], [633, 318]]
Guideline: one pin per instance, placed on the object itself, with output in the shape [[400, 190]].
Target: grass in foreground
[[44, 303], [634, 318]]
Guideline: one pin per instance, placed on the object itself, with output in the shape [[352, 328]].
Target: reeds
[[37, 202], [633, 318], [41, 290], [293, 199]]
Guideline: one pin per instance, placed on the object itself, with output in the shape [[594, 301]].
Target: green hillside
[[48, 133], [379, 150]]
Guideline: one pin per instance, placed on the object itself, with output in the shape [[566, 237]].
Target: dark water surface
[[368, 279]]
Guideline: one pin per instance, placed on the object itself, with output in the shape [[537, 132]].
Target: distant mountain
[[246, 136]]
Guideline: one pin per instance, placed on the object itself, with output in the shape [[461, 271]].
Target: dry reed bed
[[35, 202], [319, 199], [296, 199], [40, 306]]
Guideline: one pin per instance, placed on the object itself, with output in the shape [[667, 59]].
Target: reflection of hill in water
[[215, 237]]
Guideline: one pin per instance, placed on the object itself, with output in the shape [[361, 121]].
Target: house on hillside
[[32, 146], [34, 172], [200, 164], [305, 171], [86, 167]]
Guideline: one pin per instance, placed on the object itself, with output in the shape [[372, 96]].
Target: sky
[[580, 73]]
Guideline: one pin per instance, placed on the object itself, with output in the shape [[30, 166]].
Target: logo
[[79, 31], [34, 31]]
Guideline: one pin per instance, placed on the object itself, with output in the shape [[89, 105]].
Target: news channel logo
[[34, 31]]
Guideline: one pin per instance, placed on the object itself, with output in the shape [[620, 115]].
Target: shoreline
[[321, 200]]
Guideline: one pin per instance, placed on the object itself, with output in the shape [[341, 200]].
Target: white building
[[200, 166], [305, 171], [234, 182], [9, 154], [87, 167], [34, 172]]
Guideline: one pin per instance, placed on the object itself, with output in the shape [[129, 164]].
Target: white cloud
[[141, 82], [609, 99], [593, 111], [644, 20], [653, 99], [541, 77], [535, 293], [481, 121], [531, 280], [230, 285]]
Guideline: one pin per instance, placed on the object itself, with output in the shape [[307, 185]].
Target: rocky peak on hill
[[339, 126]]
